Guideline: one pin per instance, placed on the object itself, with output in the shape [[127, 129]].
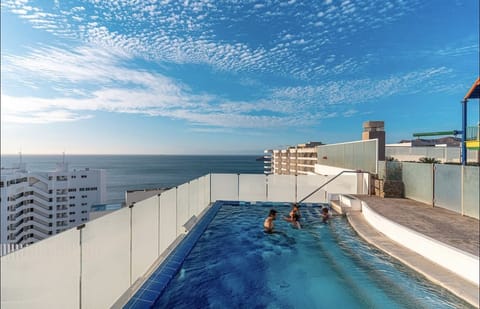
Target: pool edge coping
[[435, 273]]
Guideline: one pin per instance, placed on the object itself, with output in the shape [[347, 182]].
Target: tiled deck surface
[[443, 225]]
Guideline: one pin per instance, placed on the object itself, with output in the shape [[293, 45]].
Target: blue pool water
[[235, 264]]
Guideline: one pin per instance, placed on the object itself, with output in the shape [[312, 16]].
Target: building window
[[73, 177], [84, 176], [72, 220], [84, 196], [84, 211], [72, 190]]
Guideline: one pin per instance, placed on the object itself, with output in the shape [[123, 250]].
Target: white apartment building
[[36, 205], [295, 160]]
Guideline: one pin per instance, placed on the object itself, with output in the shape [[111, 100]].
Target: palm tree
[[428, 160]]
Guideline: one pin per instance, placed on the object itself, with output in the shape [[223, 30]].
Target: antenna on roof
[[20, 156], [63, 157]]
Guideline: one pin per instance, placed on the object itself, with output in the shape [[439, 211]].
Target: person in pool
[[325, 215], [294, 216], [268, 223]]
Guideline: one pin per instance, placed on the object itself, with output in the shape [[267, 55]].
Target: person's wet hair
[[272, 212]]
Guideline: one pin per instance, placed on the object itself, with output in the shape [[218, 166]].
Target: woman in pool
[[294, 216]]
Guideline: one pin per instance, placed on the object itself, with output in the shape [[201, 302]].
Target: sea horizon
[[126, 172]]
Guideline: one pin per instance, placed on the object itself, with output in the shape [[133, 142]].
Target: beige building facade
[[295, 160]]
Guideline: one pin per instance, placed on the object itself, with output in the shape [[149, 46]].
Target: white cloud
[[104, 84], [189, 32], [346, 92]]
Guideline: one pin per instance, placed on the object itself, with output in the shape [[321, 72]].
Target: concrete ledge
[[346, 203], [462, 263], [350, 202], [335, 205], [459, 286]]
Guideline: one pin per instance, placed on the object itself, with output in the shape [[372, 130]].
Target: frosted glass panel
[[208, 189], [182, 207], [393, 170], [381, 169], [106, 259], [224, 187], [471, 200], [194, 198], [43, 275], [354, 155], [448, 187], [168, 218], [306, 184], [144, 236], [418, 181], [345, 183], [203, 194], [252, 188], [281, 188]]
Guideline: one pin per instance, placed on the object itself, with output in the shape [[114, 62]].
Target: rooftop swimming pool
[[234, 264]]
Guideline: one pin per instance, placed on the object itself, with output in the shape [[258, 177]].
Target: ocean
[[137, 172]]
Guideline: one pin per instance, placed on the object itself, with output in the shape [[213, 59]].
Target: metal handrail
[[330, 180]]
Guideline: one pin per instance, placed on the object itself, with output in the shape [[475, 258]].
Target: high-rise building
[[35, 205], [294, 160]]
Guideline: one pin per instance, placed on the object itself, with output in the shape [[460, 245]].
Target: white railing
[[93, 265]]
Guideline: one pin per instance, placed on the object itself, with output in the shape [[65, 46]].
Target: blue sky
[[230, 77]]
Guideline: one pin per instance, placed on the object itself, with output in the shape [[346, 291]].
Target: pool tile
[[137, 303], [149, 295]]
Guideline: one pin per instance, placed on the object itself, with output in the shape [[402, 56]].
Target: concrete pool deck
[[440, 224]]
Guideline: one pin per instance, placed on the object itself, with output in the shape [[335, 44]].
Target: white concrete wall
[[462, 263], [329, 170]]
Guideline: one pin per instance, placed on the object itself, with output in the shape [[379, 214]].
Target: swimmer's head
[[272, 213]]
